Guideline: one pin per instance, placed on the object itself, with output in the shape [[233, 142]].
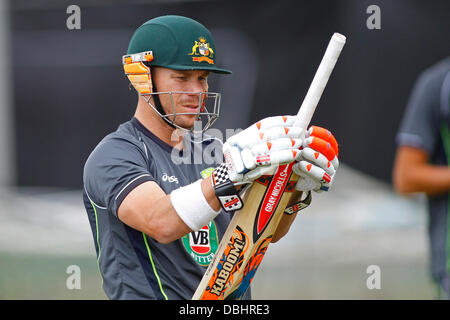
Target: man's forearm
[[413, 173], [430, 179]]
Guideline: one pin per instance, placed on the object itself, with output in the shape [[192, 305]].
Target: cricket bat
[[250, 231]]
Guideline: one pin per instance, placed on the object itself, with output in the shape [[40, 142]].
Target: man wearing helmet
[[157, 222]]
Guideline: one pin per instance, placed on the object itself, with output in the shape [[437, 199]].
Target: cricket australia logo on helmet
[[202, 51]]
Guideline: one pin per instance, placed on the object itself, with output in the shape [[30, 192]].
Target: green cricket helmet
[[177, 43]]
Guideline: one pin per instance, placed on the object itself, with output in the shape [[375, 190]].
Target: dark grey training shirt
[[425, 125], [132, 264]]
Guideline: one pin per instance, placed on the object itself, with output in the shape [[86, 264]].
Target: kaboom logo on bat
[[230, 262]]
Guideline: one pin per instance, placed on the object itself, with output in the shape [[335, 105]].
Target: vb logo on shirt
[[202, 244]]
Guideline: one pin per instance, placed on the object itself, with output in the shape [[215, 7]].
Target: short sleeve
[[114, 168], [421, 121]]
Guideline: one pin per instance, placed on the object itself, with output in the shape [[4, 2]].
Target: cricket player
[[423, 158], [156, 211]]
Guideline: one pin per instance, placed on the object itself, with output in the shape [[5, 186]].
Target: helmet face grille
[[206, 113]]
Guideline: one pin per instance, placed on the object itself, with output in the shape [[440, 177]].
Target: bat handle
[[319, 81]]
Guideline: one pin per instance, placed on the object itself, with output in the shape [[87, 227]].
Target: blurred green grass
[[38, 276], [343, 282], [33, 276]]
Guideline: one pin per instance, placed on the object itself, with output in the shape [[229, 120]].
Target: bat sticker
[[271, 198], [250, 269], [229, 264]]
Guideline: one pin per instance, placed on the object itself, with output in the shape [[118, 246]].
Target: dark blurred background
[[69, 90], [62, 91]]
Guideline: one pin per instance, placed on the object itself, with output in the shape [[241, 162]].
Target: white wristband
[[191, 206]]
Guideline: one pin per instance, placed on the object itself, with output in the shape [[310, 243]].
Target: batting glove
[[254, 152], [318, 161], [257, 150]]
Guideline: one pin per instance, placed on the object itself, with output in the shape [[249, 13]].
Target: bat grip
[[319, 81]]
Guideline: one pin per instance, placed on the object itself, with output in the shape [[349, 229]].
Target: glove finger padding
[[260, 171], [277, 157], [266, 130], [311, 177], [324, 134], [276, 144], [318, 159], [240, 162], [279, 132], [323, 141], [323, 147]]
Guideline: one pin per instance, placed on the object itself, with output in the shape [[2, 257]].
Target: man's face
[[194, 81]]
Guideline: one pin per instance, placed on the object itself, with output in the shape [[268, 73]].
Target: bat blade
[[250, 232], [247, 237]]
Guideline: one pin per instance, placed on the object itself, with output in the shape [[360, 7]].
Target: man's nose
[[196, 86]]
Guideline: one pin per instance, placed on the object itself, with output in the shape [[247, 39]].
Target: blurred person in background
[[422, 162]]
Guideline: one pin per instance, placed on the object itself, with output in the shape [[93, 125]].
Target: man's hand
[[316, 167], [257, 150], [318, 161], [254, 152]]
